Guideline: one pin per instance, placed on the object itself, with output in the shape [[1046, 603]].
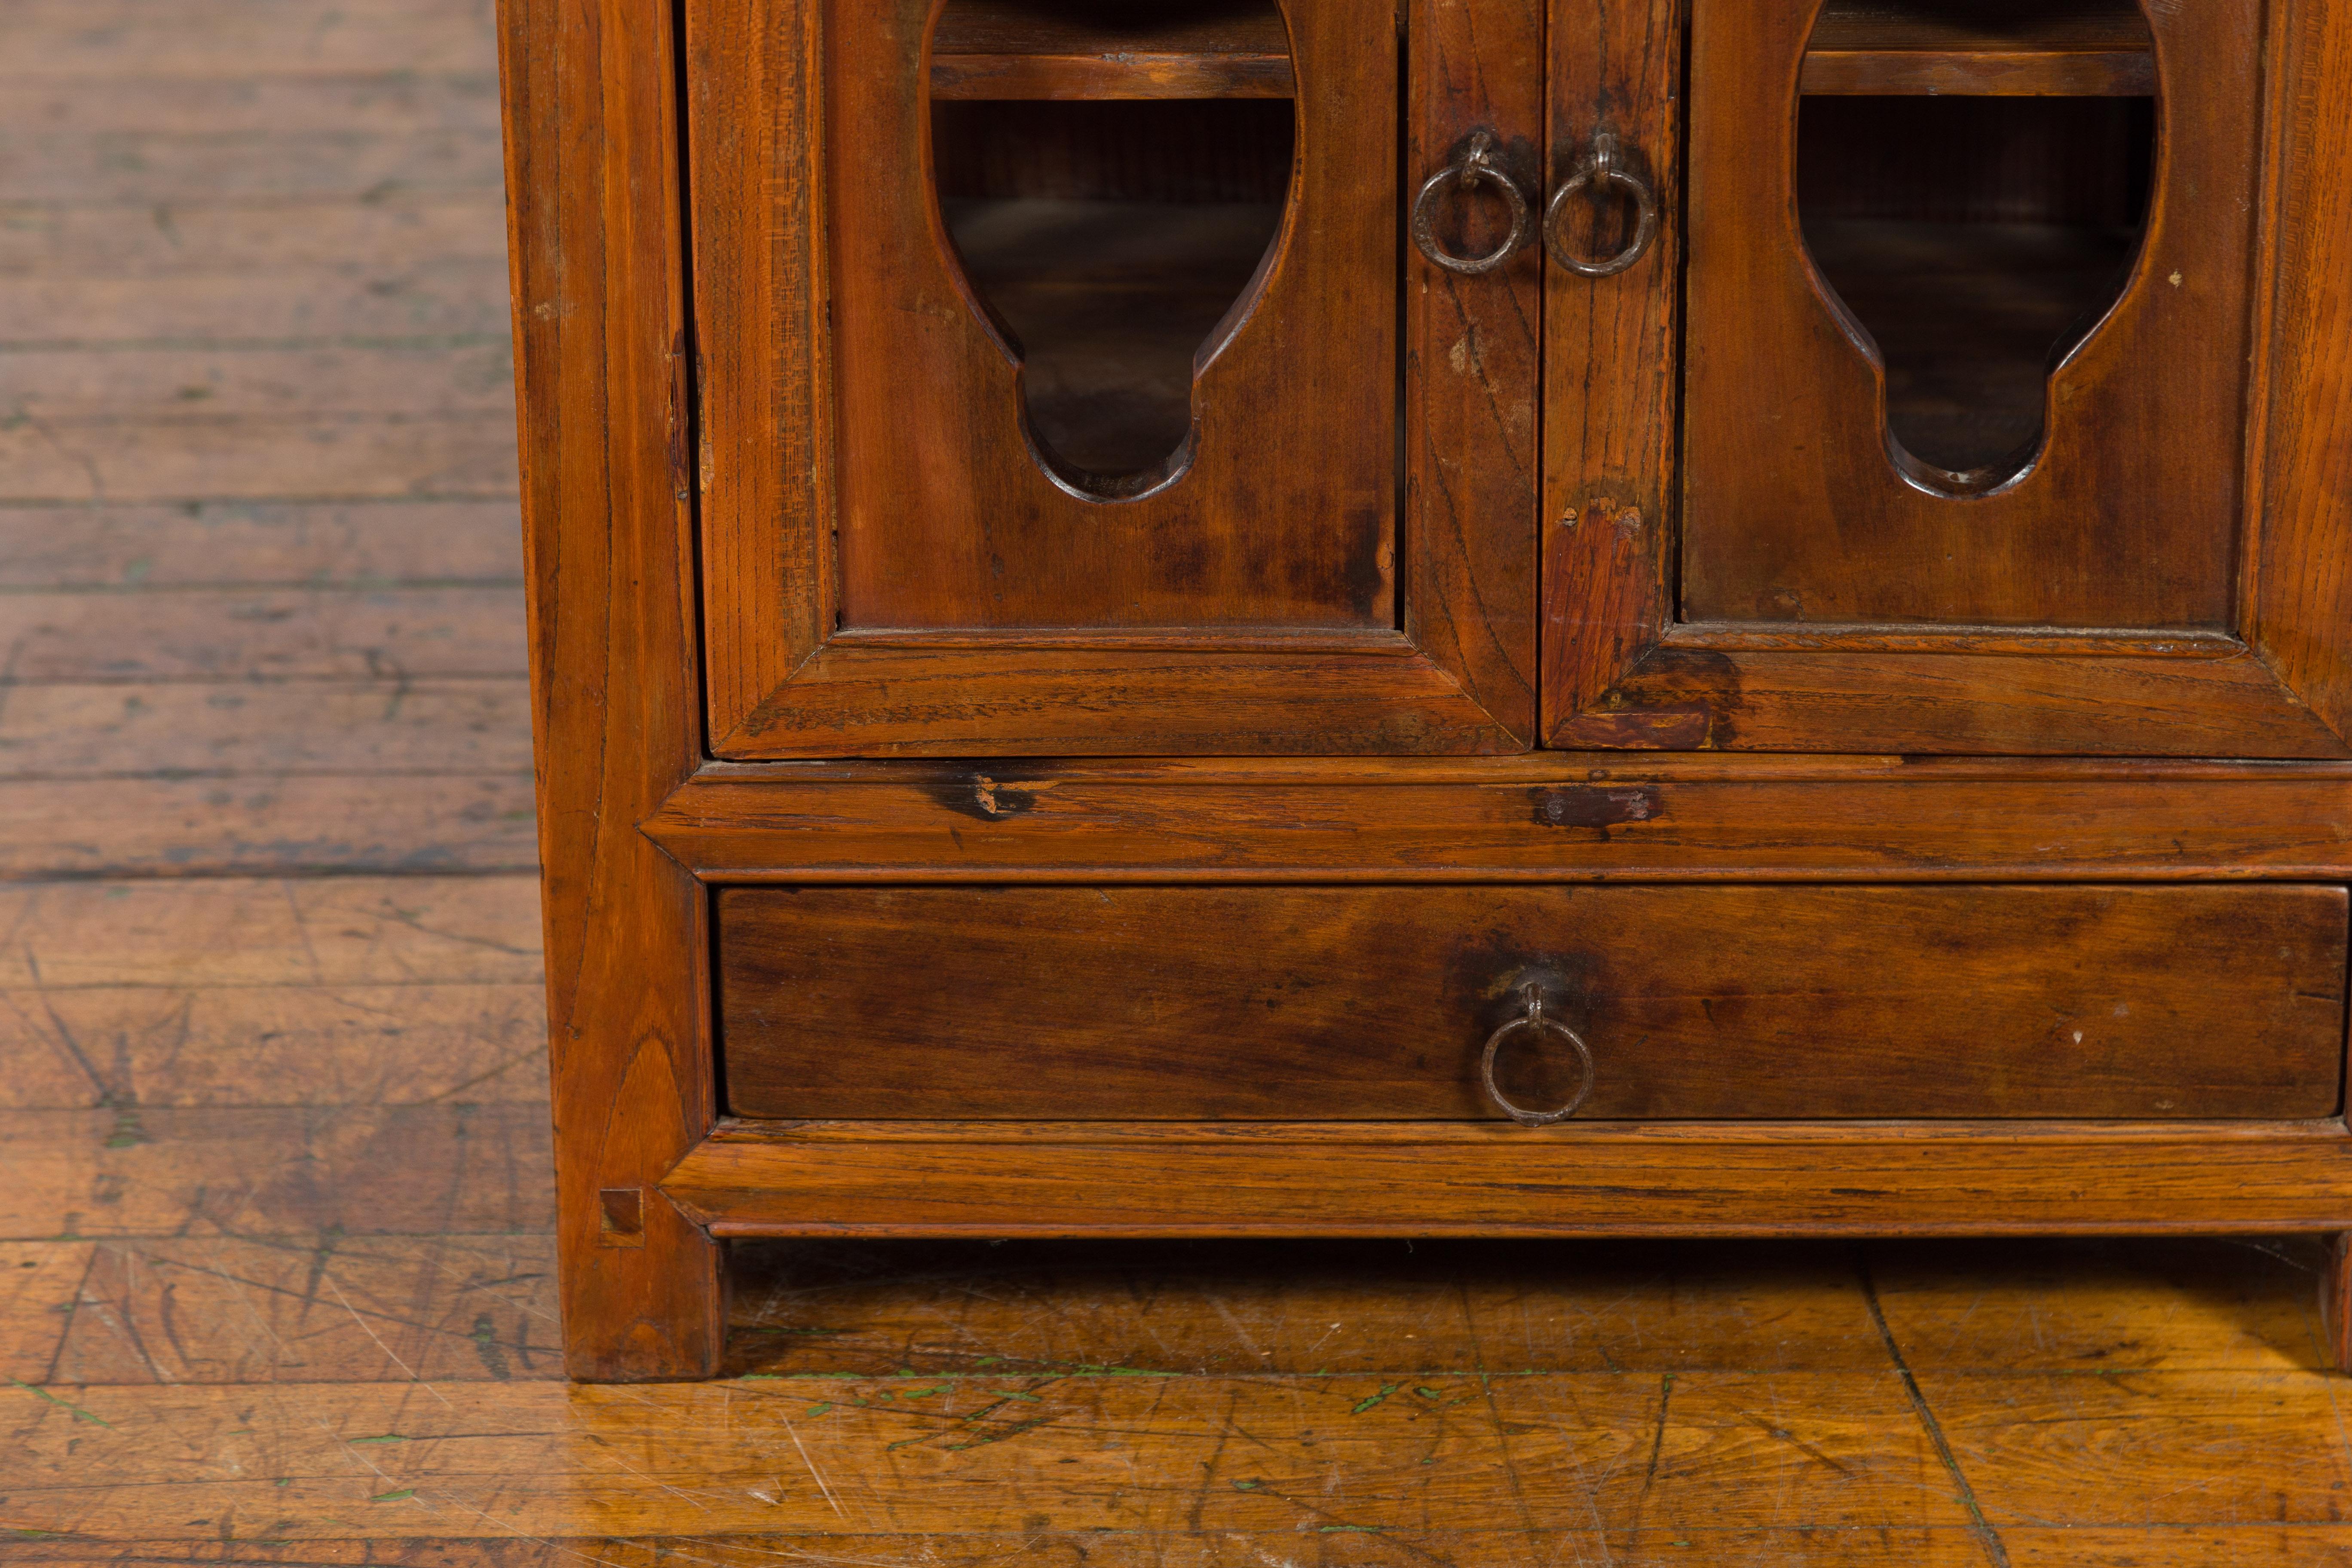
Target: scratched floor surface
[[274, 1271]]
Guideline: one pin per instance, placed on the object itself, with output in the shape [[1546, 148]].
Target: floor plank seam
[[1996, 1552]]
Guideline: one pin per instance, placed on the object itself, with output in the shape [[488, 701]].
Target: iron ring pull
[[1474, 170], [1603, 167], [1534, 1020]]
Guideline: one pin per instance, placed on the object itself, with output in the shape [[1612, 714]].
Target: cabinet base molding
[[1182, 1180]]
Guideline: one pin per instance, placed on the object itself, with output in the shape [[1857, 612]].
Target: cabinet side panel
[[599, 314]]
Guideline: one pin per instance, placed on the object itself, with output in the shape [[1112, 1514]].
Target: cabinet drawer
[[1377, 1002]]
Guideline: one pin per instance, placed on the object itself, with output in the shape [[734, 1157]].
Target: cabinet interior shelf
[[1220, 49], [1068, 49], [2073, 48]]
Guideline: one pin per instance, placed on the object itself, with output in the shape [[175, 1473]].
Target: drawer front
[[1378, 1003]]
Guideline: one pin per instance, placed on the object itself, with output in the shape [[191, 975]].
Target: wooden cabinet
[[1307, 616]]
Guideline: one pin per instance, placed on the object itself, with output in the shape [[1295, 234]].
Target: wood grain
[[2208, 1305], [1925, 702], [2083, 48], [212, 995], [1142, 1179], [1612, 372], [1546, 817], [274, 305], [949, 519], [983, 1454], [1042, 49], [250, 544], [1108, 701], [80, 39], [339, 1309], [2220, 1546], [69, 388], [233, 634], [356, 930], [298, 1043], [1328, 1004], [2335, 1301], [1230, 1308], [2078, 1450], [162, 828], [194, 458], [171, 729], [397, 99], [778, 689], [38, 1283], [124, 1171], [1758, 541], [139, 166], [324, 245], [1103, 1548], [2302, 603], [1473, 348], [593, 164]]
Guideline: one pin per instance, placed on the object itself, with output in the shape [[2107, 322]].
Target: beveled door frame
[[1456, 675], [1622, 671]]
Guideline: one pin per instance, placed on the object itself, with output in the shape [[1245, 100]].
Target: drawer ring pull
[[1534, 1021], [1474, 170]]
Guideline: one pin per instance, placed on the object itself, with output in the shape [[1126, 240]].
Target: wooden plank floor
[[274, 1260]]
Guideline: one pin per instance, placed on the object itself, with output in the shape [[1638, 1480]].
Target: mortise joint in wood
[[623, 1215]]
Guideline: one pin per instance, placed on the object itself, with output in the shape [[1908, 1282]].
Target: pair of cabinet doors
[[1303, 376]]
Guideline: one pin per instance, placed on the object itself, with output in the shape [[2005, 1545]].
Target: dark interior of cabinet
[[1974, 176], [1975, 237], [2080, 48], [1113, 233]]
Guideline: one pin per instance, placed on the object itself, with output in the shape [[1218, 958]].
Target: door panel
[[1953, 224], [978, 245], [1119, 352], [1965, 398]]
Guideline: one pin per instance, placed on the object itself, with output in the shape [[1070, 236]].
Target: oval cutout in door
[[1972, 242], [1113, 231]]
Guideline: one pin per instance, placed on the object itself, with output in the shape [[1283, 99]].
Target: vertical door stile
[[1473, 351], [1610, 363]]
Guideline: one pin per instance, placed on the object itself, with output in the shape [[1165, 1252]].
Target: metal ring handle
[[1475, 169], [1533, 1018], [1601, 167]]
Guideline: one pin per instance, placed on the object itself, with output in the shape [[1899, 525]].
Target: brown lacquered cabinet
[[1288, 617]]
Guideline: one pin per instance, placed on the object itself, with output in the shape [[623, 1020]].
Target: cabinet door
[[1060, 361], [1972, 357]]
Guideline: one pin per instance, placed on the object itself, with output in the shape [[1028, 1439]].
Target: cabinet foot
[[647, 1305], [2336, 1302]]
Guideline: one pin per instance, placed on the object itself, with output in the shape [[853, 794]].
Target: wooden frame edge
[[1922, 703], [1651, 818], [2298, 564], [590, 95], [1597, 1180], [853, 698]]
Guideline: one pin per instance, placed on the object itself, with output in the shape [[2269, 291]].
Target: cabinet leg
[[2336, 1302], [644, 1293]]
